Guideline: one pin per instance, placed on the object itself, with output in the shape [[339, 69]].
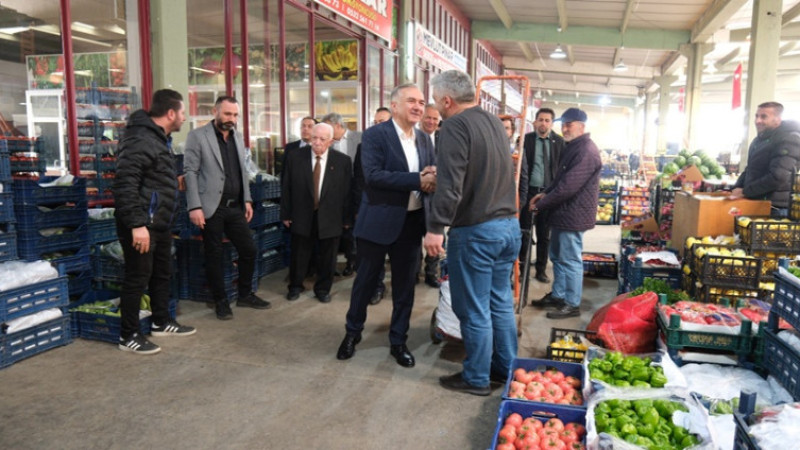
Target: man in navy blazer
[[399, 169]]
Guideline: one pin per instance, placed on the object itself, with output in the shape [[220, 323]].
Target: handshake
[[427, 179]]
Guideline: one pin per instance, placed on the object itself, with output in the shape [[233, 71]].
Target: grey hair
[[333, 119], [327, 127], [454, 84], [396, 91]]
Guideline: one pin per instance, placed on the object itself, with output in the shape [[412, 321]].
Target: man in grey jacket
[[571, 201]]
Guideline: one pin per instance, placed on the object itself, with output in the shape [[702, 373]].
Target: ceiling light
[[620, 67], [558, 53], [14, 30]]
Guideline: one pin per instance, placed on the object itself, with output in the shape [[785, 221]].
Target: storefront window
[[373, 79], [206, 42], [298, 70], [337, 69], [389, 77]]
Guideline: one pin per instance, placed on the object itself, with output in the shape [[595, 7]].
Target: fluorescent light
[[558, 53], [84, 28], [620, 67], [14, 30], [115, 29], [9, 37], [200, 69]]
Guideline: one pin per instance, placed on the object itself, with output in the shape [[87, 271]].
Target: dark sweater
[[475, 174], [572, 197]]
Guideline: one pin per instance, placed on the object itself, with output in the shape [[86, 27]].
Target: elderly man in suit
[[218, 200], [315, 207], [399, 166], [347, 142]]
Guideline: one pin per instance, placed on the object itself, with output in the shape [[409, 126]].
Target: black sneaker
[[253, 301], [456, 383], [564, 311], [547, 301], [223, 310], [138, 344], [171, 328]]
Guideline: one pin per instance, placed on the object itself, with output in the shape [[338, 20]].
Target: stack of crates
[[779, 358], [25, 301], [106, 268], [8, 235], [633, 269], [193, 282], [769, 240], [25, 157], [52, 225], [266, 192], [709, 275]]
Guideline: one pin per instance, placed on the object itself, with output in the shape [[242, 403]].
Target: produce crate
[[690, 254], [29, 192], [765, 234], [102, 231], [268, 262], [106, 328], [79, 283], [714, 294], [637, 273], [8, 242], [782, 361], [29, 164], [678, 339], [5, 166], [18, 144], [602, 269], [568, 355], [729, 271], [32, 245], [73, 260], [34, 297], [269, 238], [786, 299], [567, 368], [265, 213], [108, 268], [742, 439], [769, 263], [7, 207], [35, 217], [265, 189], [32, 341], [541, 411]]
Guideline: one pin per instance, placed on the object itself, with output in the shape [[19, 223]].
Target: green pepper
[[614, 433], [632, 438], [625, 404], [640, 374], [614, 357], [597, 374], [621, 383], [634, 361], [647, 360], [678, 433], [650, 416], [621, 374], [646, 430], [627, 364], [613, 403], [628, 428], [602, 421], [658, 380], [642, 403], [689, 440], [606, 366], [602, 407], [645, 442], [623, 420], [594, 364], [617, 412], [660, 438], [641, 384]]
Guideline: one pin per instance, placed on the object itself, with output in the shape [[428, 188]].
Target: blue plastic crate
[[35, 164], [31, 245], [106, 328], [268, 262], [32, 341], [567, 368], [36, 217], [79, 283], [7, 207], [786, 299], [782, 362], [29, 192], [107, 268], [102, 231], [637, 273], [33, 298], [3, 145], [8, 243], [265, 213], [17, 144], [269, 238], [265, 188], [5, 166], [541, 411]]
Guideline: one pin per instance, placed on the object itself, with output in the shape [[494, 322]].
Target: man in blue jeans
[[571, 201], [476, 197]]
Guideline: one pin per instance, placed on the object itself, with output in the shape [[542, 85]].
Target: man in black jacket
[[771, 160], [145, 193], [540, 157]]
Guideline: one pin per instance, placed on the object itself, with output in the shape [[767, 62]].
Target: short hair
[[383, 109], [774, 105], [327, 126], [454, 84], [396, 91], [165, 100], [225, 98], [431, 106], [309, 118], [504, 117], [546, 111], [333, 119]]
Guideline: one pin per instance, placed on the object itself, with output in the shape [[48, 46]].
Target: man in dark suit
[[218, 199], [306, 125], [315, 206], [399, 166]]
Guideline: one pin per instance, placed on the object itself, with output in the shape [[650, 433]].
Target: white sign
[[432, 49]]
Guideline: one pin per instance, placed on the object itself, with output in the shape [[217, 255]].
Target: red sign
[[374, 15], [736, 101]]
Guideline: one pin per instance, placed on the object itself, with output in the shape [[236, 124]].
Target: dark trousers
[[151, 271], [542, 234], [324, 263], [404, 256], [231, 222], [347, 245]]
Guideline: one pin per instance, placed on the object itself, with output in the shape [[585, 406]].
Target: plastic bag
[[777, 427], [14, 274], [629, 325], [675, 379], [446, 320], [31, 320], [250, 166]]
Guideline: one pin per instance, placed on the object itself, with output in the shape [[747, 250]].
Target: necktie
[[317, 173]]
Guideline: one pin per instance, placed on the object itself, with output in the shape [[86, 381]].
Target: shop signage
[[374, 15], [432, 49]]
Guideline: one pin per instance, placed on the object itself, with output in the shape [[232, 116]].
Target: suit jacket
[[290, 146], [205, 175], [387, 182], [528, 157], [297, 194], [353, 141]]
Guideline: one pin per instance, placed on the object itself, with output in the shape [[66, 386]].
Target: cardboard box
[[710, 214], [689, 174], [646, 223]]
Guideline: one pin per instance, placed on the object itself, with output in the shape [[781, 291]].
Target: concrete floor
[[268, 380]]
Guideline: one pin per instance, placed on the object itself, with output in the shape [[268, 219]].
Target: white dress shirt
[[412, 158]]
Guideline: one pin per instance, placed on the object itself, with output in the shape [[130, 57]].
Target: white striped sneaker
[[171, 328], [138, 344]]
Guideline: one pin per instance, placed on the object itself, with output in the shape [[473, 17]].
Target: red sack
[[629, 325], [600, 315]]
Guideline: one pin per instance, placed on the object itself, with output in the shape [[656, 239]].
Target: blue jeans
[[480, 258], [565, 253]]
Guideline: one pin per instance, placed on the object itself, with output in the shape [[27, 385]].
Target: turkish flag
[[681, 99], [736, 102]]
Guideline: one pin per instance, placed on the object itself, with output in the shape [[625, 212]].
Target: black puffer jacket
[[771, 161], [146, 185]]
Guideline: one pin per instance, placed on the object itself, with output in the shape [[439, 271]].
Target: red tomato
[[579, 429], [576, 446], [554, 391], [532, 396], [576, 383], [553, 443], [517, 385], [507, 434], [523, 376], [554, 375], [538, 376], [515, 420], [554, 424], [530, 424], [535, 387], [565, 387], [506, 446], [528, 441], [569, 436]]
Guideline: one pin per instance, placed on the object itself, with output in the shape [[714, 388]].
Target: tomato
[[517, 385], [579, 429], [523, 376], [535, 387], [507, 434], [528, 440], [515, 420], [576, 383], [576, 446], [531, 424], [553, 443], [554, 424], [554, 375], [565, 387], [506, 446], [569, 436], [554, 391]]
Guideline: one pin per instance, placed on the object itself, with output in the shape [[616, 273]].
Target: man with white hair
[[316, 207]]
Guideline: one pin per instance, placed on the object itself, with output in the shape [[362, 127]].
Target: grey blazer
[[205, 175]]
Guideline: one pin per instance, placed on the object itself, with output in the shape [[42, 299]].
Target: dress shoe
[[223, 310], [542, 277], [547, 301], [348, 270], [348, 346], [564, 311], [293, 294], [324, 297], [432, 281], [253, 301], [456, 382], [402, 355], [377, 297]]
